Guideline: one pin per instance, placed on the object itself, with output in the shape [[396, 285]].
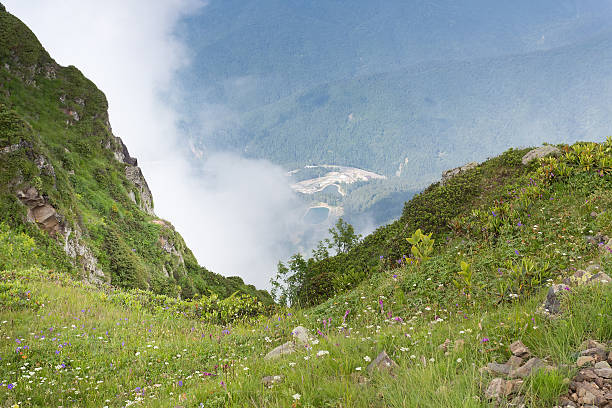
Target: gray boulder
[[382, 363], [449, 174], [540, 152]]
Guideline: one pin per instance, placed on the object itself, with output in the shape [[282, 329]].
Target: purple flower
[[520, 224], [180, 383], [484, 340], [10, 386], [516, 251]]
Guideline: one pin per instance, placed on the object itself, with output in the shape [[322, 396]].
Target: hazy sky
[[235, 214]]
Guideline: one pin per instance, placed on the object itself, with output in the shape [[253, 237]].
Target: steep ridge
[[69, 183]]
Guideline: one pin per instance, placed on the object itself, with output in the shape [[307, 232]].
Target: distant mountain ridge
[[397, 88]]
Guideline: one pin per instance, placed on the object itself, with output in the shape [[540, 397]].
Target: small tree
[[343, 237]]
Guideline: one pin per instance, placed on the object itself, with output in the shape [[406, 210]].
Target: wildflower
[[367, 358], [321, 353], [296, 396], [459, 360], [10, 386], [357, 368], [484, 340]]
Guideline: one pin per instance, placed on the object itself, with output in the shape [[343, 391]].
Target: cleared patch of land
[[337, 175]]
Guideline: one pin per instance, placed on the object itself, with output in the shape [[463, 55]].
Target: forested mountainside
[[71, 187]]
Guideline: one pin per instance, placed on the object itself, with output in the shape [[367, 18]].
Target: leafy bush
[[17, 250]]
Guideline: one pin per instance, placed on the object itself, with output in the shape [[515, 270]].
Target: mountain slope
[[441, 320], [70, 184]]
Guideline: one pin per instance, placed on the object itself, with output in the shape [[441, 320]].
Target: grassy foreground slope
[[66, 345], [69, 184]]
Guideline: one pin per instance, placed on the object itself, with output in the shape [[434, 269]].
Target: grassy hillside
[[71, 186], [480, 290]]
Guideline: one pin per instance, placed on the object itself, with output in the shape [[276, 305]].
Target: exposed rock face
[[540, 152], [169, 248], [74, 247], [449, 174], [134, 174], [122, 154], [47, 219], [39, 211]]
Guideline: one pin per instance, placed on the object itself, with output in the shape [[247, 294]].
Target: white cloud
[[238, 216]]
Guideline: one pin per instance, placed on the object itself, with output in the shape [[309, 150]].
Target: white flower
[[137, 353], [321, 353], [315, 341], [292, 364], [296, 396], [367, 358], [459, 360], [246, 368], [357, 368], [306, 357]]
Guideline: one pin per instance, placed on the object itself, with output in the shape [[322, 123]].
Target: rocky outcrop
[[40, 212], [134, 174], [449, 174], [74, 248], [47, 218], [169, 248], [540, 152], [121, 152]]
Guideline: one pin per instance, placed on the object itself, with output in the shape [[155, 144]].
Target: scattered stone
[[596, 352], [526, 370], [449, 174], [593, 268], [281, 350], [270, 380], [552, 304], [383, 363], [300, 338], [584, 360], [596, 240], [591, 344], [360, 379], [496, 388], [444, 346], [600, 277], [519, 349], [540, 152], [603, 369], [499, 388], [514, 362], [300, 334], [498, 369]]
